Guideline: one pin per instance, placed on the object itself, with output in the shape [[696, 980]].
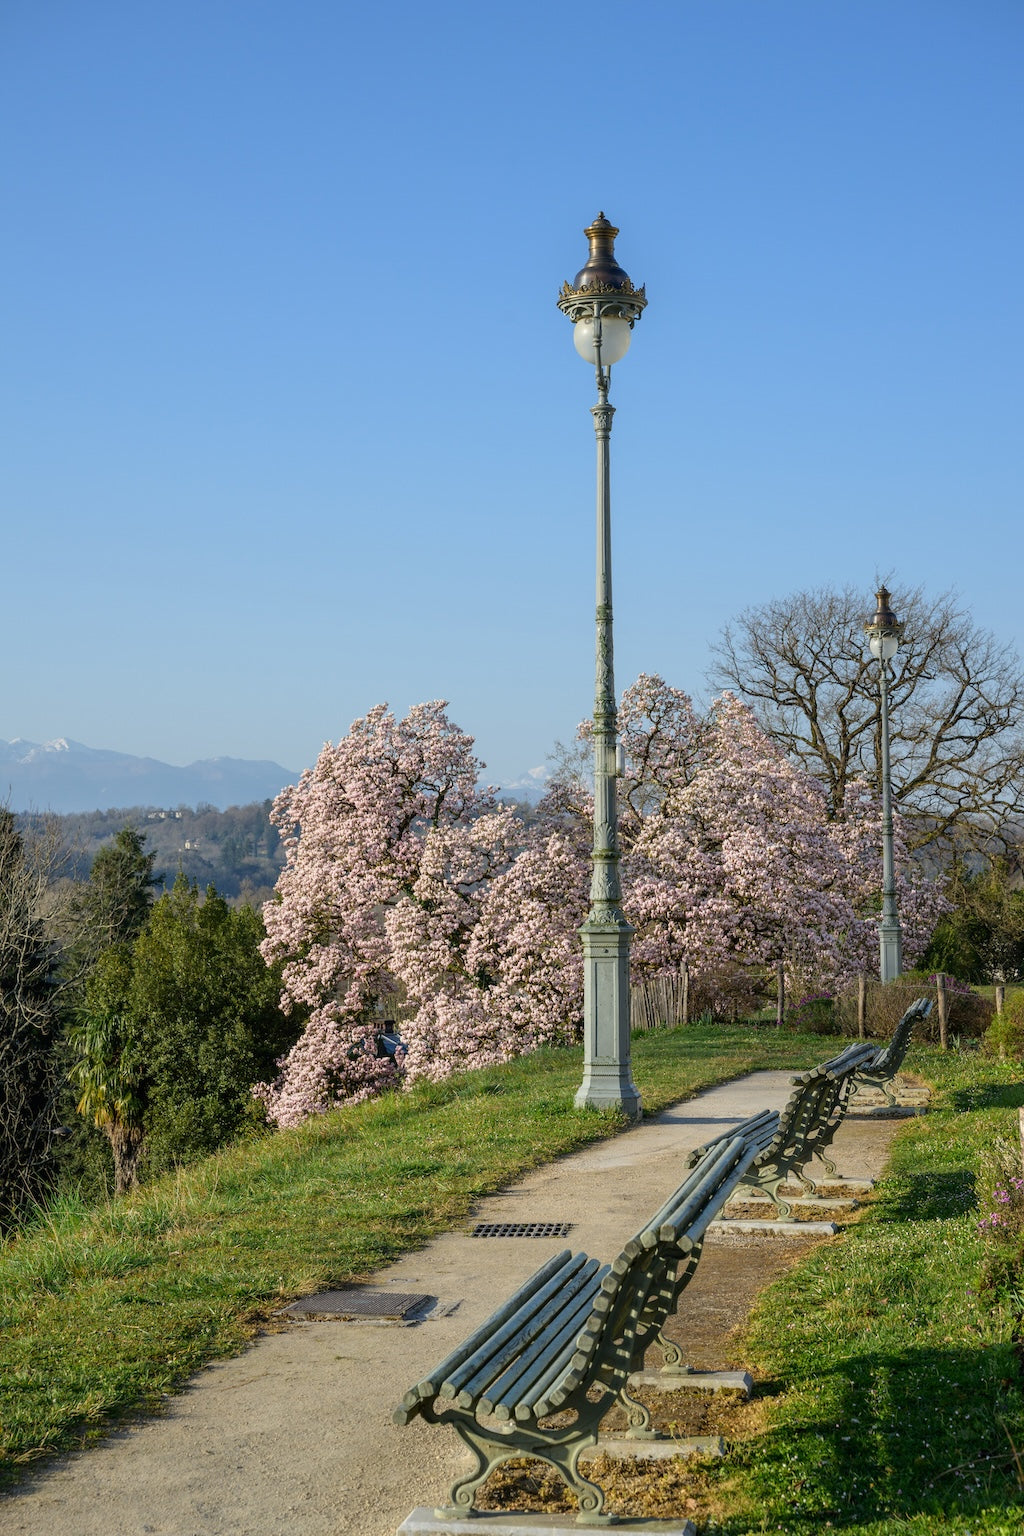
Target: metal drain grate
[[522, 1229], [339, 1305]]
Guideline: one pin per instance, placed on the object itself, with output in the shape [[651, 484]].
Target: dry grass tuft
[[677, 1488], [652, 1490]]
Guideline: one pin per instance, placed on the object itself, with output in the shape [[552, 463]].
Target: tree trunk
[[126, 1146], [780, 1006], [686, 992], [862, 1005], [1000, 996], [940, 988]]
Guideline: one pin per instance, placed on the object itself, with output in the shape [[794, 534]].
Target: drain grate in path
[[522, 1229], [338, 1306]]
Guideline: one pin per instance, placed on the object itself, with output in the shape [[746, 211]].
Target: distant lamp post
[[884, 632], [604, 306]]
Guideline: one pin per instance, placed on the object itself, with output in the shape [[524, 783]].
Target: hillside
[[237, 850]]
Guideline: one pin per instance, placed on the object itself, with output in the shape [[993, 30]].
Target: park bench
[[567, 1341], [881, 1072], [806, 1127]]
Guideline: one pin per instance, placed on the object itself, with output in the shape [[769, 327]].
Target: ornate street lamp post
[[884, 631], [603, 306]]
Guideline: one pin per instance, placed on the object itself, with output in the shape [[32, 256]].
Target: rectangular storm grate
[[522, 1229], [337, 1306]]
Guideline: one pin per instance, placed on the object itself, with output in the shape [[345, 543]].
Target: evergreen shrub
[[1005, 1035], [814, 1015]]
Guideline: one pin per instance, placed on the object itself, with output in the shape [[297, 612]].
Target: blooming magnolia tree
[[409, 891], [743, 866], [731, 855], [355, 830], [527, 942], [430, 930], [488, 954]]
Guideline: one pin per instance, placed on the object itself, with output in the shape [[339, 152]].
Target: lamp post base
[[890, 945], [607, 1072]]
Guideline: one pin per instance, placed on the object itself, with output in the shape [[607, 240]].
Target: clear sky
[[292, 424]]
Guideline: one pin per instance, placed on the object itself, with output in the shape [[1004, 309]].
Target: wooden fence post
[[862, 1002], [661, 1000], [940, 989]]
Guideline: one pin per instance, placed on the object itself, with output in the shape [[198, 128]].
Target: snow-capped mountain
[[66, 776], [530, 786]]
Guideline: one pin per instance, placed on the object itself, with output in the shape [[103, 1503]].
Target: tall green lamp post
[[604, 306], [884, 632]]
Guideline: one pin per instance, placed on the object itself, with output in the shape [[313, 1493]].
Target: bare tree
[[956, 703]]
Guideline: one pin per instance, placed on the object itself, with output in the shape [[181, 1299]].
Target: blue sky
[[292, 424]]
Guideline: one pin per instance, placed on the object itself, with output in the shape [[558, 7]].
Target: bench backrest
[[815, 1106], [889, 1059]]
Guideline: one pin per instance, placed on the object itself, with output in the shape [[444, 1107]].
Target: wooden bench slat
[[538, 1401], [697, 1228], [732, 1153], [853, 1055], [518, 1381], [428, 1389], [571, 1366], [670, 1211], [758, 1130], [639, 1296], [673, 1217], [472, 1378]]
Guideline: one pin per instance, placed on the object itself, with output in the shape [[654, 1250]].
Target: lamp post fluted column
[[884, 632], [604, 306]]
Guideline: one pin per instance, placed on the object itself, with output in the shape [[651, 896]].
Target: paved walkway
[[294, 1437]]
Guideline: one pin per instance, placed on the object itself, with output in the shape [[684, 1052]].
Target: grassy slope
[[104, 1310], [896, 1388]]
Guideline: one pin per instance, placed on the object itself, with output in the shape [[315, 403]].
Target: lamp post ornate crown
[[603, 306], [884, 632], [883, 629], [602, 278]]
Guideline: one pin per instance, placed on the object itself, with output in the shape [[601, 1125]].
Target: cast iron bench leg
[[561, 1448], [638, 1417]]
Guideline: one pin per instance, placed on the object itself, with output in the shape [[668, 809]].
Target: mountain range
[[65, 776], [530, 786]]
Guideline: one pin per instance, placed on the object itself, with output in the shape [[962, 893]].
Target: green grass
[[895, 1400], [105, 1310]]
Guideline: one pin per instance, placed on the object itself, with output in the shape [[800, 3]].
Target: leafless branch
[[956, 707]]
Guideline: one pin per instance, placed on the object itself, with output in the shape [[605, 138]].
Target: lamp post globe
[[884, 633], [603, 306]]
